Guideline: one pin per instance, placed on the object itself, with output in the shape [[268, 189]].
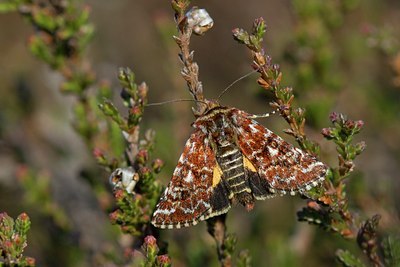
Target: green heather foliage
[[326, 65], [13, 240]]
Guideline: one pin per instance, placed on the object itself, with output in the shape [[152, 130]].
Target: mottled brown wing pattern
[[287, 169], [186, 199]]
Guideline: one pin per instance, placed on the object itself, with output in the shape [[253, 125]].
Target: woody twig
[[270, 79], [194, 21]]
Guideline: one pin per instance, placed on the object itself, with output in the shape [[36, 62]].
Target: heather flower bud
[[157, 165], [360, 147], [17, 239], [150, 246], [136, 111], [327, 133], [3, 216], [150, 241], [259, 27], [145, 172], [142, 91], [276, 68], [359, 124], [163, 260], [21, 227], [8, 245], [288, 90], [142, 156], [115, 216], [23, 217], [334, 117], [349, 124], [300, 112], [30, 261], [99, 156], [119, 195]]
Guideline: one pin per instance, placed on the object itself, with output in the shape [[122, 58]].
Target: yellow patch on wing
[[217, 173], [248, 165]]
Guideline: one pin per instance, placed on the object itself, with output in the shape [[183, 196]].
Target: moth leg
[[263, 115]]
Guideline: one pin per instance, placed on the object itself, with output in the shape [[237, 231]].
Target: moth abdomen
[[230, 160]]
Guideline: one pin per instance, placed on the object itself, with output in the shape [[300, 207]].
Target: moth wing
[[281, 166], [195, 191]]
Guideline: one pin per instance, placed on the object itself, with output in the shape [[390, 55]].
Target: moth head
[[206, 106]]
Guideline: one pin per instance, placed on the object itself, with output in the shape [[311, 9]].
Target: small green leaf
[[111, 111], [6, 226], [83, 17], [244, 259], [44, 20], [22, 224], [127, 78], [347, 259], [391, 250], [259, 28], [40, 49], [241, 36], [230, 243], [71, 86]]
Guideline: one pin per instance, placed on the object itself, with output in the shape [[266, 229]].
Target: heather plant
[[13, 240], [126, 150]]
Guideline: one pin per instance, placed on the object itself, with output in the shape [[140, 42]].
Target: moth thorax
[[223, 137]]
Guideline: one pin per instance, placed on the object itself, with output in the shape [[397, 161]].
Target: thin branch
[[190, 70], [217, 229]]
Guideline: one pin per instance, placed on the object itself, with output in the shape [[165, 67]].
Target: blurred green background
[[339, 56]]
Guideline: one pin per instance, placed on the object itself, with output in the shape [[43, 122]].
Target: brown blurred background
[[35, 119]]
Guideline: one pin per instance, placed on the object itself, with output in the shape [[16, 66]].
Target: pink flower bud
[[157, 165], [163, 259], [23, 217], [98, 153], [114, 216], [359, 124], [119, 194], [142, 156], [145, 172], [150, 240], [30, 261], [327, 132], [334, 117]]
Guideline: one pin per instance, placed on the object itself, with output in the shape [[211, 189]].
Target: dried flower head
[[199, 20], [124, 178]]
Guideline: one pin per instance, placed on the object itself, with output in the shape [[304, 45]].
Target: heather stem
[[217, 229], [190, 70]]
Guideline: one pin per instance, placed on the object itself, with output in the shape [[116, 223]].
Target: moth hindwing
[[231, 158]]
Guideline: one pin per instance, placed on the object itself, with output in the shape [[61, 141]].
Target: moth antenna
[[173, 101], [266, 115], [235, 81]]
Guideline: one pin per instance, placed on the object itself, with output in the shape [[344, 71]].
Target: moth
[[230, 158]]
